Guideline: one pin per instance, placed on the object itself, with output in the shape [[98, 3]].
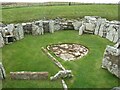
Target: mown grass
[[27, 55], [25, 14]]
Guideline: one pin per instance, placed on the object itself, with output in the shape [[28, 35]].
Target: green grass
[[24, 14], [27, 55]]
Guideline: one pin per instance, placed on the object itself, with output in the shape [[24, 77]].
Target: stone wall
[[89, 24], [28, 75]]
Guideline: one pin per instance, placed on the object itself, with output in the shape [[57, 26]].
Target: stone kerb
[[24, 75]]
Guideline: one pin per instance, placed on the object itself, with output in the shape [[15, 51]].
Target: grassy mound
[[24, 14]]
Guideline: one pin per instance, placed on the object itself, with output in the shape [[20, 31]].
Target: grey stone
[[36, 30], [98, 25], [111, 59], [77, 24], [2, 72], [64, 85], [19, 32], [24, 75], [81, 29], [116, 88], [62, 74], [51, 26], [57, 26], [89, 28], [1, 40]]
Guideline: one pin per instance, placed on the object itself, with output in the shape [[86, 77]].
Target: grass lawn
[[24, 14], [27, 55]]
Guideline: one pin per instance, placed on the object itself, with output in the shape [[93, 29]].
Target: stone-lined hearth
[[68, 51]]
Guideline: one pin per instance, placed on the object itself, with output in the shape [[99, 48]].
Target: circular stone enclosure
[[68, 51]]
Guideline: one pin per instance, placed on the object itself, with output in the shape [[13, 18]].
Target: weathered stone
[[36, 30], [53, 59], [10, 28], [18, 32], [116, 33], [111, 59], [46, 26], [2, 72], [27, 28], [89, 28], [77, 25], [64, 85], [51, 26], [98, 25], [1, 40], [111, 32], [57, 26], [81, 29], [116, 88], [40, 24], [62, 74], [28, 75]]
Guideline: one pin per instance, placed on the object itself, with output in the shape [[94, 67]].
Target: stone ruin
[[111, 59], [89, 24], [68, 51], [95, 25]]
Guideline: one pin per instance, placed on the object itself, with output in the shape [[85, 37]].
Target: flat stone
[[67, 51], [28, 75]]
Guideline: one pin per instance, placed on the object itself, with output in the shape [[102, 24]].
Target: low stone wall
[[89, 24], [28, 75]]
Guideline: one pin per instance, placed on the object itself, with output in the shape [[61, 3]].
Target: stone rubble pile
[[111, 59]]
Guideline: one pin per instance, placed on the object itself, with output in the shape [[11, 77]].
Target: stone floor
[[68, 51]]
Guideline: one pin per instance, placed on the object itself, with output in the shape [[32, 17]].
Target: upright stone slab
[[81, 29], [111, 59], [77, 25], [27, 28], [98, 25], [89, 28], [51, 26], [35, 29], [10, 28], [46, 26], [116, 33], [2, 72], [1, 40], [110, 33], [40, 25], [19, 33]]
